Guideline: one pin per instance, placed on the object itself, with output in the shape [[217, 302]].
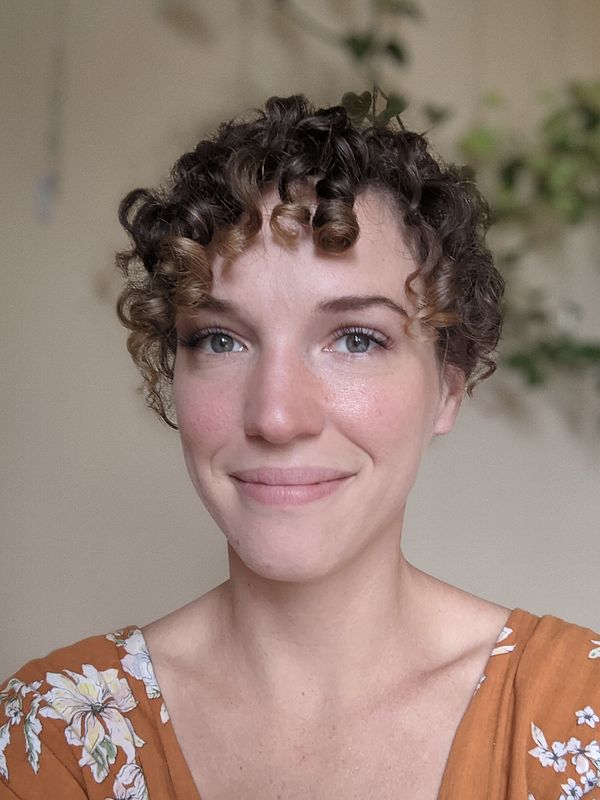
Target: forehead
[[378, 263]]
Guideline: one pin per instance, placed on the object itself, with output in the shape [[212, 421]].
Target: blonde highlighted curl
[[214, 198]]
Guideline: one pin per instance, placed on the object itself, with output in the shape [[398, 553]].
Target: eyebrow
[[359, 302], [337, 304]]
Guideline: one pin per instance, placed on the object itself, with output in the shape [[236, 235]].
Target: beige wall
[[100, 527]]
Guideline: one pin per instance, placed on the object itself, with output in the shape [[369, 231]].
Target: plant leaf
[[360, 45], [357, 106], [435, 114], [525, 363], [404, 8], [510, 170], [479, 142], [395, 51], [395, 105]]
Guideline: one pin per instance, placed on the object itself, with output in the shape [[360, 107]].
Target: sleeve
[[69, 724], [36, 760], [560, 720]]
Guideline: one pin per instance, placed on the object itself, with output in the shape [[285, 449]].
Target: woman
[[309, 299]]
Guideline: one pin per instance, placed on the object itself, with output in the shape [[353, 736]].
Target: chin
[[291, 564]]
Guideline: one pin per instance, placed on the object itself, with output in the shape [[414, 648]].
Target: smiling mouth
[[290, 476], [289, 494]]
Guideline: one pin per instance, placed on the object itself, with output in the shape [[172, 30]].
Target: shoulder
[[170, 643], [557, 653], [532, 730], [99, 648], [64, 717], [557, 687]]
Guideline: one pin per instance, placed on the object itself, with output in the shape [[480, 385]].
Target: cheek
[[206, 414], [389, 417]]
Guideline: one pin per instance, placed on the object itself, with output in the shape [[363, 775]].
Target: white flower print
[[137, 661], [164, 714], [590, 780], [595, 652], [572, 790], [587, 716], [507, 648], [548, 756], [93, 705], [130, 784], [583, 754], [13, 708], [499, 650]]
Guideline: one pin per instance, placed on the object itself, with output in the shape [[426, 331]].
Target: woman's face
[[309, 369]]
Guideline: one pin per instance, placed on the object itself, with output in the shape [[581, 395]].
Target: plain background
[[100, 526]]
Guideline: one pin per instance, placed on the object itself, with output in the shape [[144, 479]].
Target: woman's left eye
[[359, 340]]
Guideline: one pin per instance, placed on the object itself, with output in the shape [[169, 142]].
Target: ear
[[452, 389]]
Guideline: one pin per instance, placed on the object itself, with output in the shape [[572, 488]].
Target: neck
[[327, 642]]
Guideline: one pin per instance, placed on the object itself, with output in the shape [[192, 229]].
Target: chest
[[399, 750]]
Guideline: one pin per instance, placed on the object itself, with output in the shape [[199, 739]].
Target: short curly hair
[[215, 197]]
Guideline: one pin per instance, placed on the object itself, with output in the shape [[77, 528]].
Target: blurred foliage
[[539, 188], [557, 174]]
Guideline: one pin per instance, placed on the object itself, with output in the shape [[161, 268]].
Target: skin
[[316, 590]]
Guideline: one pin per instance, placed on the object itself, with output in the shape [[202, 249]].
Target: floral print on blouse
[[88, 721], [576, 761], [94, 706]]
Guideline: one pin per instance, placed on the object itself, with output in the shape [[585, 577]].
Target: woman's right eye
[[213, 341]]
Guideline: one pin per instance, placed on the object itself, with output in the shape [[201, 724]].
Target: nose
[[284, 399]]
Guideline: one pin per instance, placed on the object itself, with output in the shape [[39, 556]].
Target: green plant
[[369, 49], [540, 188]]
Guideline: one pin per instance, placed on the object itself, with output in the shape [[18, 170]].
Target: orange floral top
[[88, 721]]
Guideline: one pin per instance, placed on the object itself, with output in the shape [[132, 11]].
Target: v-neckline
[[186, 786]]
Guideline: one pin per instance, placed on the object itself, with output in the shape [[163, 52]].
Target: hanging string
[[49, 184]]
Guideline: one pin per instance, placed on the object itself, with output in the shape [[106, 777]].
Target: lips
[[290, 476], [289, 487]]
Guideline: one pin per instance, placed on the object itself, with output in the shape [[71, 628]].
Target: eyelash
[[374, 336], [194, 339]]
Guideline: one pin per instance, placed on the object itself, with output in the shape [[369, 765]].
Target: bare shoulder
[[461, 626], [176, 640]]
